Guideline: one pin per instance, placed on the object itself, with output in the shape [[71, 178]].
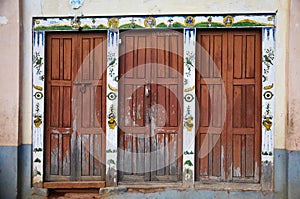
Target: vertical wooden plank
[[216, 110], [167, 154], [154, 155], [258, 105], [217, 55], [173, 154], [129, 60], [141, 57], [250, 56], [141, 155], [173, 106], [67, 57], [243, 158], [250, 106], [237, 150], [99, 109], [55, 101], [98, 57], [127, 166], [55, 62], [85, 62], [160, 112], [66, 107], [237, 56], [161, 57], [216, 156], [204, 105], [66, 155], [174, 52], [237, 108], [249, 156], [97, 160], [160, 160], [205, 59], [54, 151], [134, 154], [86, 108], [204, 163], [91, 154], [85, 155], [140, 108]]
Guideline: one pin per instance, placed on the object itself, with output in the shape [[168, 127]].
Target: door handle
[[147, 91]]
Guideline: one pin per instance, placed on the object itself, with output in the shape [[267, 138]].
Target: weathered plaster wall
[[9, 97], [9, 70], [293, 136]]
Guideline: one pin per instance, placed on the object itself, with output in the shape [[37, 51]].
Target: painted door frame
[[190, 24]]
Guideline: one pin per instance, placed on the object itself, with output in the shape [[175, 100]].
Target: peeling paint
[[3, 20], [237, 172]]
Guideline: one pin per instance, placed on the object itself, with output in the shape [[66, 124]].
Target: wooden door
[[150, 99], [231, 59], [75, 106]]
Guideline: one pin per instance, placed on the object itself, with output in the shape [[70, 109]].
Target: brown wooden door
[[150, 99], [75, 106], [231, 58]]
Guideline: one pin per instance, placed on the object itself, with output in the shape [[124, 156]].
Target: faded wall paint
[[9, 70], [293, 135]]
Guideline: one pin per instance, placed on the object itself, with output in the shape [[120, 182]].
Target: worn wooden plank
[[66, 115], [74, 185], [66, 155], [238, 56], [67, 57], [54, 57], [237, 108], [127, 166], [55, 108], [237, 155], [216, 153], [54, 151]]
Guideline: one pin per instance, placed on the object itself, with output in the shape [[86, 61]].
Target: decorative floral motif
[[188, 153], [228, 20], [189, 62], [37, 62], [37, 121], [189, 21], [116, 23], [111, 118], [113, 24], [150, 22], [268, 134], [268, 59], [188, 120]]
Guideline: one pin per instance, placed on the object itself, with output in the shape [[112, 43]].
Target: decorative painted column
[[268, 105], [189, 107], [38, 76], [112, 107]]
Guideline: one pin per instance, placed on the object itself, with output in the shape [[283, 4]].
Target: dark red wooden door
[[75, 106], [150, 98], [231, 150]]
